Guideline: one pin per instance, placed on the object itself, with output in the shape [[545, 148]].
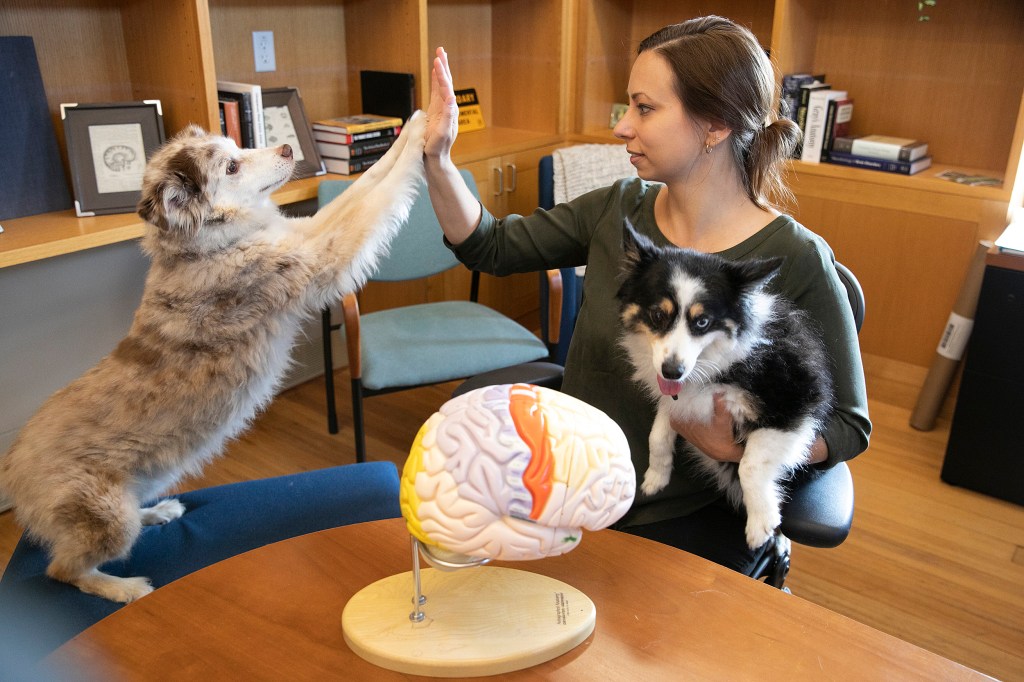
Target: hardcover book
[[321, 135], [350, 166], [883, 147], [356, 149], [33, 179], [254, 132], [837, 123], [814, 132], [874, 163], [357, 123]]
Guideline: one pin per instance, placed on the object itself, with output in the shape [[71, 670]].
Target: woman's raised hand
[[443, 111]]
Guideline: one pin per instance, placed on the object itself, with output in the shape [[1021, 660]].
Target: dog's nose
[[672, 369], [286, 151]]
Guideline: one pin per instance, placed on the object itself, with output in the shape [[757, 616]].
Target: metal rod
[[417, 614]]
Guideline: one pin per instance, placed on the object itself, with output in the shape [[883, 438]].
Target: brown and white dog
[[230, 281]]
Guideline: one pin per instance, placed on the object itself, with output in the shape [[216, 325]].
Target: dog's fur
[[694, 325], [229, 283]]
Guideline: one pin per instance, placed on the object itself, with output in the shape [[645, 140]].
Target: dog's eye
[[701, 322], [232, 167], [658, 316]]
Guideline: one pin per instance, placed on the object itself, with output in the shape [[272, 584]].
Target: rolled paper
[[952, 344], [515, 472]]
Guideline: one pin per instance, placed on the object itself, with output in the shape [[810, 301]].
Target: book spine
[[350, 166], [842, 144], [901, 167], [327, 135], [816, 110]]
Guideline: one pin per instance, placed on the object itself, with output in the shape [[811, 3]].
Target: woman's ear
[[717, 133]]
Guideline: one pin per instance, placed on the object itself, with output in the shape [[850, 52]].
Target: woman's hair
[[722, 74]]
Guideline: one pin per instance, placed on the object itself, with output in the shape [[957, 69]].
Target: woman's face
[[661, 137]]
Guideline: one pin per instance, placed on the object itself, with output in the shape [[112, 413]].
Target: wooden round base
[[478, 621]]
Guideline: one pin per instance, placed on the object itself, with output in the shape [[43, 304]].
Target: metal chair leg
[[357, 419], [332, 410]]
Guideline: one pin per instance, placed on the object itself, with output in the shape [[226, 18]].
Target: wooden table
[[275, 613]]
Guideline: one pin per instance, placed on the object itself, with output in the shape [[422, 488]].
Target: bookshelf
[[547, 73]]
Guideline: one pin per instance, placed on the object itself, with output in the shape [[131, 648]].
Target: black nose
[[672, 370], [286, 151]]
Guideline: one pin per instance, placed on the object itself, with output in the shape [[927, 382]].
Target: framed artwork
[[285, 122], [108, 145]]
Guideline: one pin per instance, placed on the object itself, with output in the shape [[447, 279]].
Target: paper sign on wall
[[471, 117]]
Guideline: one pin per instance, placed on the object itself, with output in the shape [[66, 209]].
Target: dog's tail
[[353, 231]]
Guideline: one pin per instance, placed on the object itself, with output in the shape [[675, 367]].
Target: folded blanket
[[584, 167]]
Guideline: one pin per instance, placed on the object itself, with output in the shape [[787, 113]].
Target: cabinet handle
[[499, 183], [514, 173]]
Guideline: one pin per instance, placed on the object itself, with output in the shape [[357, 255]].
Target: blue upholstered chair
[[418, 345], [38, 614]]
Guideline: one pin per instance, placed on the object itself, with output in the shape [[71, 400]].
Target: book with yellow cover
[[357, 123]]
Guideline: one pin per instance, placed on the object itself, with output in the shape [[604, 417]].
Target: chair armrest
[[554, 306], [350, 313], [819, 511]]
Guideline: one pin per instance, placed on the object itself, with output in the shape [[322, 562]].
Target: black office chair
[[819, 508]]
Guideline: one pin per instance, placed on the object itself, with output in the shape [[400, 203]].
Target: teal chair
[[418, 345]]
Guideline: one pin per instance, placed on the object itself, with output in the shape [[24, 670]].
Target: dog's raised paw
[[654, 481], [162, 512]]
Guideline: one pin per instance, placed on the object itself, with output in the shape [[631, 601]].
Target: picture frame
[[285, 122], [108, 145]]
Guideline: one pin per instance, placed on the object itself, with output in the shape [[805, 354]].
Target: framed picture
[[108, 145], [285, 122]]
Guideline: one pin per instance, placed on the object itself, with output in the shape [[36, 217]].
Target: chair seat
[[219, 522], [436, 342]]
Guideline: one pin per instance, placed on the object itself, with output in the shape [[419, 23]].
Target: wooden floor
[[935, 565]]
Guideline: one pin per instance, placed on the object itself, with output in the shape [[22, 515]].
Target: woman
[[702, 134]]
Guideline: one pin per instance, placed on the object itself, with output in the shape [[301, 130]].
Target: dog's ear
[[172, 196], [755, 273], [637, 248]]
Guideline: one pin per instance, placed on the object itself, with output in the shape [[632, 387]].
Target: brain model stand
[[514, 472]]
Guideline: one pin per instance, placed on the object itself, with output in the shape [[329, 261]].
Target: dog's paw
[[122, 590], [654, 481], [162, 512], [761, 527]]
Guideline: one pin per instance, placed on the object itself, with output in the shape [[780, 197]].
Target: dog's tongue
[[669, 387]]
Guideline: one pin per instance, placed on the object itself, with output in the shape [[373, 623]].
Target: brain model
[[515, 472]]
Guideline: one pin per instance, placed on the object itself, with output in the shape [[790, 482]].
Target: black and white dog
[[694, 325]]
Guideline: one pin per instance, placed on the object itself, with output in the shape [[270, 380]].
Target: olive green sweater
[[588, 231]]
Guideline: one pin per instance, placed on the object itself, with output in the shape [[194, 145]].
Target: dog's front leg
[[769, 455], [661, 445]]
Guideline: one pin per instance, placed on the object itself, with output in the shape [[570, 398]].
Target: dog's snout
[[672, 369], [286, 151]]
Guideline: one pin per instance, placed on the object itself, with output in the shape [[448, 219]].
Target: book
[[345, 138], [257, 137], [356, 149], [357, 123], [33, 179], [883, 147], [388, 93], [837, 123], [814, 132], [789, 100], [350, 166], [874, 163], [231, 122]]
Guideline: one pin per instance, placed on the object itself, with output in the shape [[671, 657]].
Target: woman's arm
[[456, 208]]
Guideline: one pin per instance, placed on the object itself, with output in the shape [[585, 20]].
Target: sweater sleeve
[[811, 281]]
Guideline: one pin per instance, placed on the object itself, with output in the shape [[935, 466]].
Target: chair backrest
[[853, 291], [417, 250]]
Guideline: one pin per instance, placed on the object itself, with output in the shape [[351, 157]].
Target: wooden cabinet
[[547, 73]]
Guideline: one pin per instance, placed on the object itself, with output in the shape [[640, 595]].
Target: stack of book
[[822, 112], [881, 152], [351, 144], [241, 113]]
